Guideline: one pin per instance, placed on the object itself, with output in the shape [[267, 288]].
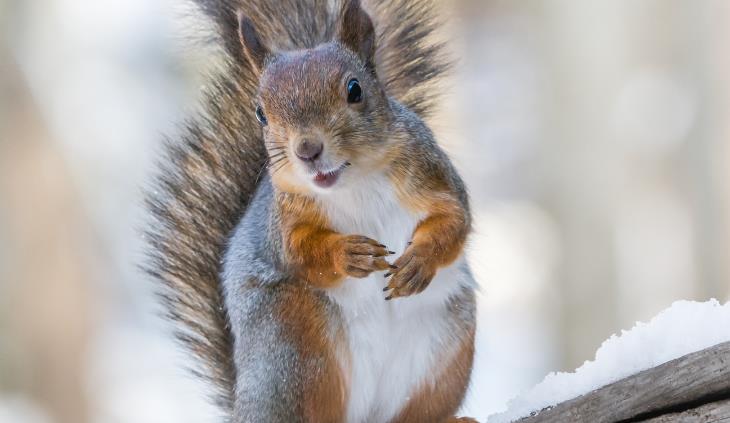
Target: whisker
[[261, 171], [273, 172], [275, 161], [278, 165], [277, 157]]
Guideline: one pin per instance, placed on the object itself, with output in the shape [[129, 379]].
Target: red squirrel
[[310, 231]]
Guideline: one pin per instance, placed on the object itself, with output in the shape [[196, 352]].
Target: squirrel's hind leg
[[440, 401], [285, 359]]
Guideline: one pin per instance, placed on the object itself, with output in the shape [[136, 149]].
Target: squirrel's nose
[[308, 150]]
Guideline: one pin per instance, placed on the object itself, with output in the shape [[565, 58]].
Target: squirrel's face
[[324, 114]]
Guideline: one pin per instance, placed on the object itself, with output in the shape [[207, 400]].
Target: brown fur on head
[[319, 134]]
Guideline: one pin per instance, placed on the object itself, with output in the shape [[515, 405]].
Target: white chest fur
[[393, 345]]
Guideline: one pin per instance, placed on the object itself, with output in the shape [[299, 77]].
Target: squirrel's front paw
[[358, 256], [412, 274]]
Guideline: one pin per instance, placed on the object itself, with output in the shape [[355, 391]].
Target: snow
[[684, 327]]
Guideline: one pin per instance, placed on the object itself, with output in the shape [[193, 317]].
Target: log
[[686, 383], [713, 412]]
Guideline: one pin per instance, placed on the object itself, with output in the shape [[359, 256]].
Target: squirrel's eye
[[260, 116], [354, 92]]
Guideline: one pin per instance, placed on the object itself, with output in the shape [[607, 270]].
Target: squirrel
[[308, 230]]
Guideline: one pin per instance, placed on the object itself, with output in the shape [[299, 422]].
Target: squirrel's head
[[323, 111]]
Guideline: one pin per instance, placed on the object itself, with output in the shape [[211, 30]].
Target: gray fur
[[271, 374], [253, 250], [424, 150]]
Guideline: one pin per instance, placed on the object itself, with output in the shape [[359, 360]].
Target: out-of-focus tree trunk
[[44, 290], [709, 157]]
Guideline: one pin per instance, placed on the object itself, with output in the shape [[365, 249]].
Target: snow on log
[[679, 360], [698, 379]]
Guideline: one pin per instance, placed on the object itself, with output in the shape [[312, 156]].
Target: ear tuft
[[255, 50], [356, 32]]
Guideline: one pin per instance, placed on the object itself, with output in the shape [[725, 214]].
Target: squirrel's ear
[[255, 50], [356, 31]]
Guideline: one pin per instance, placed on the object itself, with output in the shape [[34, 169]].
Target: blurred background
[[593, 135]]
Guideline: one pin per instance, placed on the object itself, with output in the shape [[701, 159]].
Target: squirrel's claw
[[361, 256], [411, 275]]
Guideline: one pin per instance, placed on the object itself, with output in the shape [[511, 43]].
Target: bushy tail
[[210, 172], [207, 176]]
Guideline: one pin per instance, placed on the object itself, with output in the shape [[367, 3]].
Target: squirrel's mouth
[[325, 179]]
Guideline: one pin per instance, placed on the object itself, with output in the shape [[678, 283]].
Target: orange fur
[[319, 255], [437, 402], [305, 323], [437, 240]]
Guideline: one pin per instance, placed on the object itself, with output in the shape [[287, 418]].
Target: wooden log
[[713, 412], [678, 385]]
